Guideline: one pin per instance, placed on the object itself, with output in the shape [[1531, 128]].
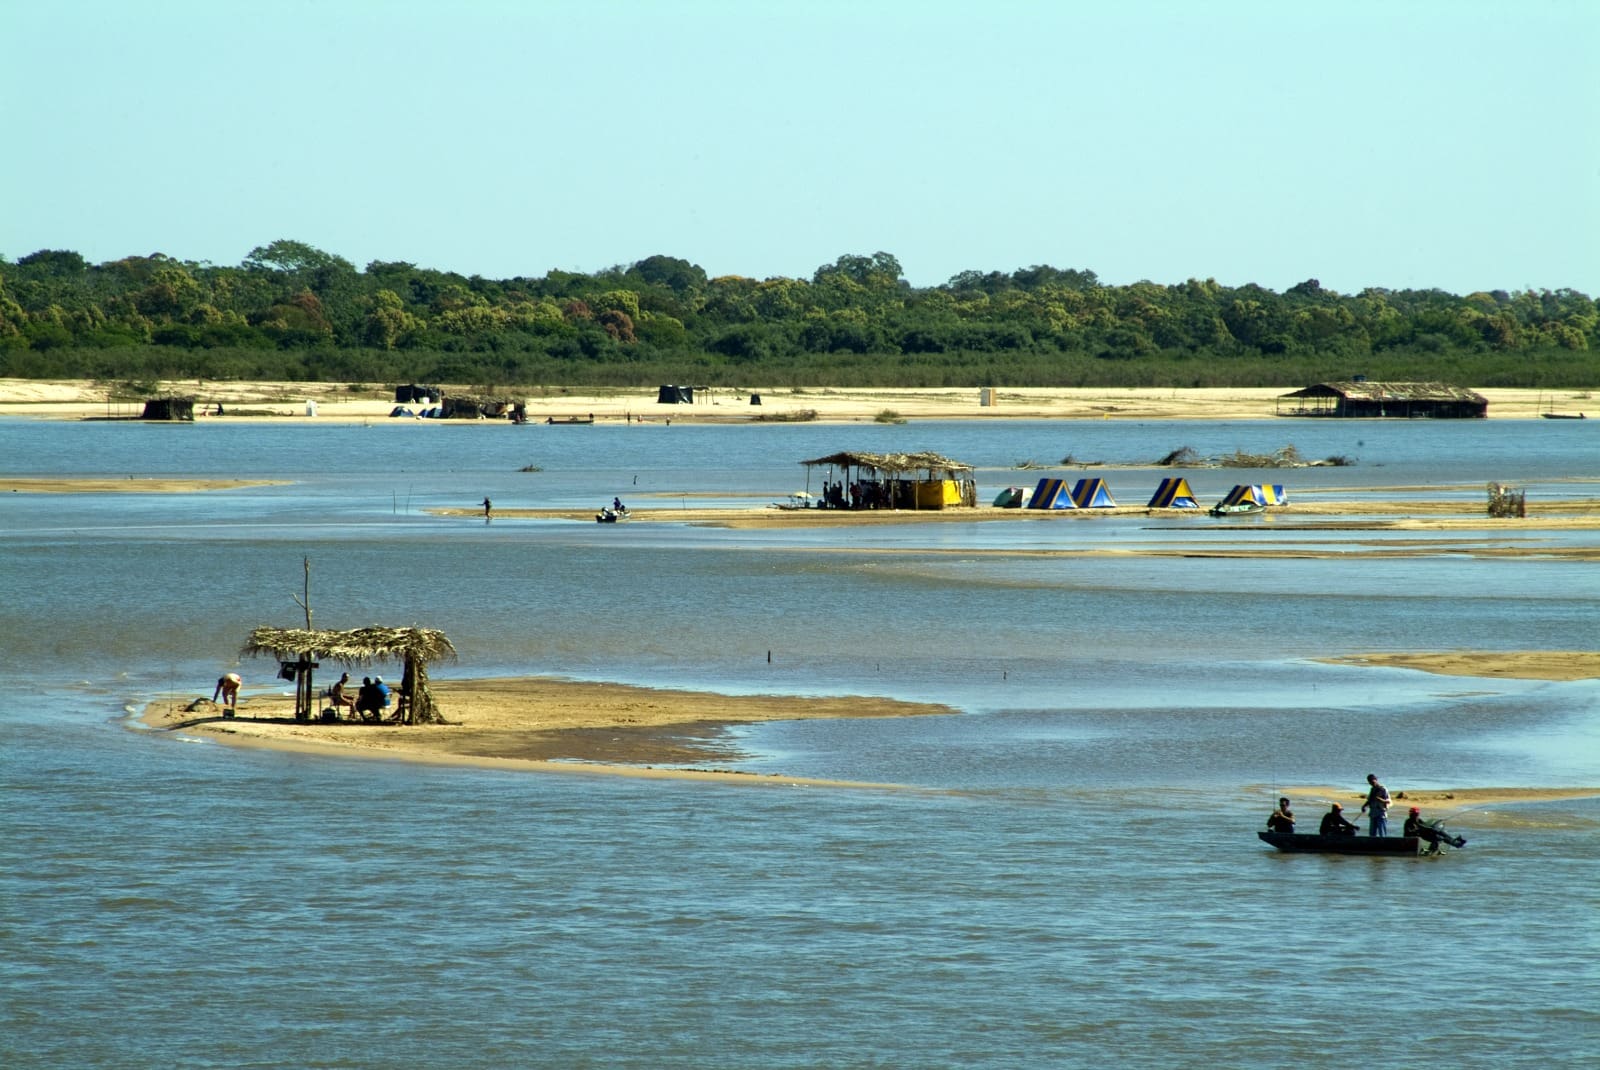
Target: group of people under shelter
[[369, 701], [1376, 808], [861, 494]]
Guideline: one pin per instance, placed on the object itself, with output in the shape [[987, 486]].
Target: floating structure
[[1174, 493], [300, 651], [1093, 494], [1359, 398], [896, 481], [1051, 494]]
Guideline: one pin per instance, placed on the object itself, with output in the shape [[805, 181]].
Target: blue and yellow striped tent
[[1093, 494], [1174, 493], [1051, 494], [1255, 494]]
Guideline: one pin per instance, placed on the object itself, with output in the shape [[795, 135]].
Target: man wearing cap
[[1378, 803], [1334, 824], [383, 693], [1414, 826]]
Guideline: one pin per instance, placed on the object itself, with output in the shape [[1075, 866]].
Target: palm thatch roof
[[356, 646], [891, 462], [1371, 391]]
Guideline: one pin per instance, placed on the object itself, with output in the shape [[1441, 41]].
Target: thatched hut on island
[[894, 481], [300, 651], [480, 407], [169, 407]]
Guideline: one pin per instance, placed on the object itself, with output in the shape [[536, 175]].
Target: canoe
[[1342, 845]]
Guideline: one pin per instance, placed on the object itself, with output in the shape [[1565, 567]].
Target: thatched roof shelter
[[1361, 398], [899, 485], [893, 463], [298, 649]]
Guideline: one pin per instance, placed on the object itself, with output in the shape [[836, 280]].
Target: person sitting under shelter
[[1282, 819], [1334, 823], [368, 703], [340, 695]]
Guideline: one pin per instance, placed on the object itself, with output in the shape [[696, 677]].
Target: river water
[[1070, 877]]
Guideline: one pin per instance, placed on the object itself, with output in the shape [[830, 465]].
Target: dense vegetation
[[291, 311]]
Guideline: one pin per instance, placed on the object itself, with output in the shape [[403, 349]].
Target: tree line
[[292, 311]]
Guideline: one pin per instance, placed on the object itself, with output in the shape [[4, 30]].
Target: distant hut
[[1359, 398], [301, 650], [169, 407], [473, 407], [896, 481]]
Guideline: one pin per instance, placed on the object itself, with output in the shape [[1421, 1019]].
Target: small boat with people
[[1337, 835], [1311, 842]]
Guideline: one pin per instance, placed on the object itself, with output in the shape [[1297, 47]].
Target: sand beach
[[357, 402]]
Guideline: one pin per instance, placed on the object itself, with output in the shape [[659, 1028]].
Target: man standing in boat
[[1378, 803]]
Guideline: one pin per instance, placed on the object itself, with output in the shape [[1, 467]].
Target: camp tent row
[[1173, 493], [1086, 494]]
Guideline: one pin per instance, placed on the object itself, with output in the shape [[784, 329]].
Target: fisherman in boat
[[1419, 828], [1334, 823], [1282, 819], [1378, 805]]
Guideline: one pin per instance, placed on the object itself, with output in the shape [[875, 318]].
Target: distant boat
[[1563, 415], [1434, 841], [569, 419]]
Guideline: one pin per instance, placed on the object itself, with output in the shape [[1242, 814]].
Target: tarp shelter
[[675, 395], [300, 650], [1174, 493], [1051, 494], [169, 407], [1093, 494], [898, 481], [1010, 498], [421, 394]]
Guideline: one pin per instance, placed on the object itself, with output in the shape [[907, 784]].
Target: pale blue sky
[[1402, 144]]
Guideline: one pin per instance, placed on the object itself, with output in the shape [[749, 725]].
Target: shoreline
[[544, 724], [278, 401]]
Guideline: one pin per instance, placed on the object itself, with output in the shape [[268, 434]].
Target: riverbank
[[361, 402]]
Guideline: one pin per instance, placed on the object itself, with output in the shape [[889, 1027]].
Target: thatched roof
[[1388, 391], [356, 646], [891, 462]]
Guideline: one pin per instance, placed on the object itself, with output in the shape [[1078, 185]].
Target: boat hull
[[1310, 842]]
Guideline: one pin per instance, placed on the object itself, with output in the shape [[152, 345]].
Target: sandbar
[[1563, 665], [542, 723]]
